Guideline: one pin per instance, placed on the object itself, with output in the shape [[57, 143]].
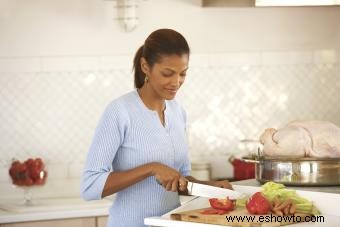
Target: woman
[[139, 150]]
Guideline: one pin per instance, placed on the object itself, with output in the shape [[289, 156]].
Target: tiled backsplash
[[50, 106]]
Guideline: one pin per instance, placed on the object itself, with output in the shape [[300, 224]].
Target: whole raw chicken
[[303, 139]]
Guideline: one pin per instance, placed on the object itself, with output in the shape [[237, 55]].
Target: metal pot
[[297, 171]]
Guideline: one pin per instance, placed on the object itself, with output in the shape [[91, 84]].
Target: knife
[[204, 190]]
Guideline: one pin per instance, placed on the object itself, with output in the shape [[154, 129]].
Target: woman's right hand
[[168, 177]]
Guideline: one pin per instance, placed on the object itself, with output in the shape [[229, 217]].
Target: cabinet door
[[102, 221], [75, 222]]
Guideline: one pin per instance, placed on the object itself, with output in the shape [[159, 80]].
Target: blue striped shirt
[[129, 135]]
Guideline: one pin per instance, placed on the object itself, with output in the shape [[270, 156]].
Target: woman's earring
[[146, 79]]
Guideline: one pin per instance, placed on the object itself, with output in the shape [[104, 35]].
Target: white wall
[[87, 27]]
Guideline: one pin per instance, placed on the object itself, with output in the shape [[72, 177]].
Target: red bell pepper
[[258, 204]]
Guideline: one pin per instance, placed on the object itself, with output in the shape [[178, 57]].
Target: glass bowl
[[28, 175]]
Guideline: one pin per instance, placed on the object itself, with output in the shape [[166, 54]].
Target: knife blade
[[204, 190]]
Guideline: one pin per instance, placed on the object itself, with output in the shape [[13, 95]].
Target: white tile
[[29, 64], [4, 176], [75, 170], [57, 170], [54, 114], [52, 64]]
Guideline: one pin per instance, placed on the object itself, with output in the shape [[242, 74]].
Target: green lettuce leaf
[[271, 190]]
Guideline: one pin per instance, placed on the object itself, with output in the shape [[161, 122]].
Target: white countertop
[[47, 209], [327, 201], [12, 211]]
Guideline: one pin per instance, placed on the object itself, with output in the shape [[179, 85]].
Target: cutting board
[[196, 216]]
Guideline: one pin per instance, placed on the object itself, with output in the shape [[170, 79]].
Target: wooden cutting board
[[196, 216]]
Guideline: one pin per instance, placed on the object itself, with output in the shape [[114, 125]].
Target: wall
[[87, 27], [251, 68]]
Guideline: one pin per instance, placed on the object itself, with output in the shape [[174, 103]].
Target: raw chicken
[[303, 139]]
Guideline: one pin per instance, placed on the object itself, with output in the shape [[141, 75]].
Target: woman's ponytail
[[139, 74]]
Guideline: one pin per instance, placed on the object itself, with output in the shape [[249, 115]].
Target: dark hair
[[160, 42]]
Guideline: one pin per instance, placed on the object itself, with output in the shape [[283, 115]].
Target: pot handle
[[250, 160]]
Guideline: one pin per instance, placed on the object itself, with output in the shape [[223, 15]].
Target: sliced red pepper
[[209, 211], [213, 211], [222, 204], [222, 212]]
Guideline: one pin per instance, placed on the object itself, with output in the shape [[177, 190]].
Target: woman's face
[[167, 75]]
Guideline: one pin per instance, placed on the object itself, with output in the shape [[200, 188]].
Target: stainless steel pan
[[297, 171]]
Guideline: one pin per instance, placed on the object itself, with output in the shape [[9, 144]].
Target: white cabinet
[[101, 221], [72, 222]]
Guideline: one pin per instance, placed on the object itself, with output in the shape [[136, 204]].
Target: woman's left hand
[[220, 184]]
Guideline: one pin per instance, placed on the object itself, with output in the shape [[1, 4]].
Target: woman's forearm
[[117, 181]]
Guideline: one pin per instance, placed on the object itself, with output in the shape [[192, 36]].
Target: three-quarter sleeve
[[108, 137]]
